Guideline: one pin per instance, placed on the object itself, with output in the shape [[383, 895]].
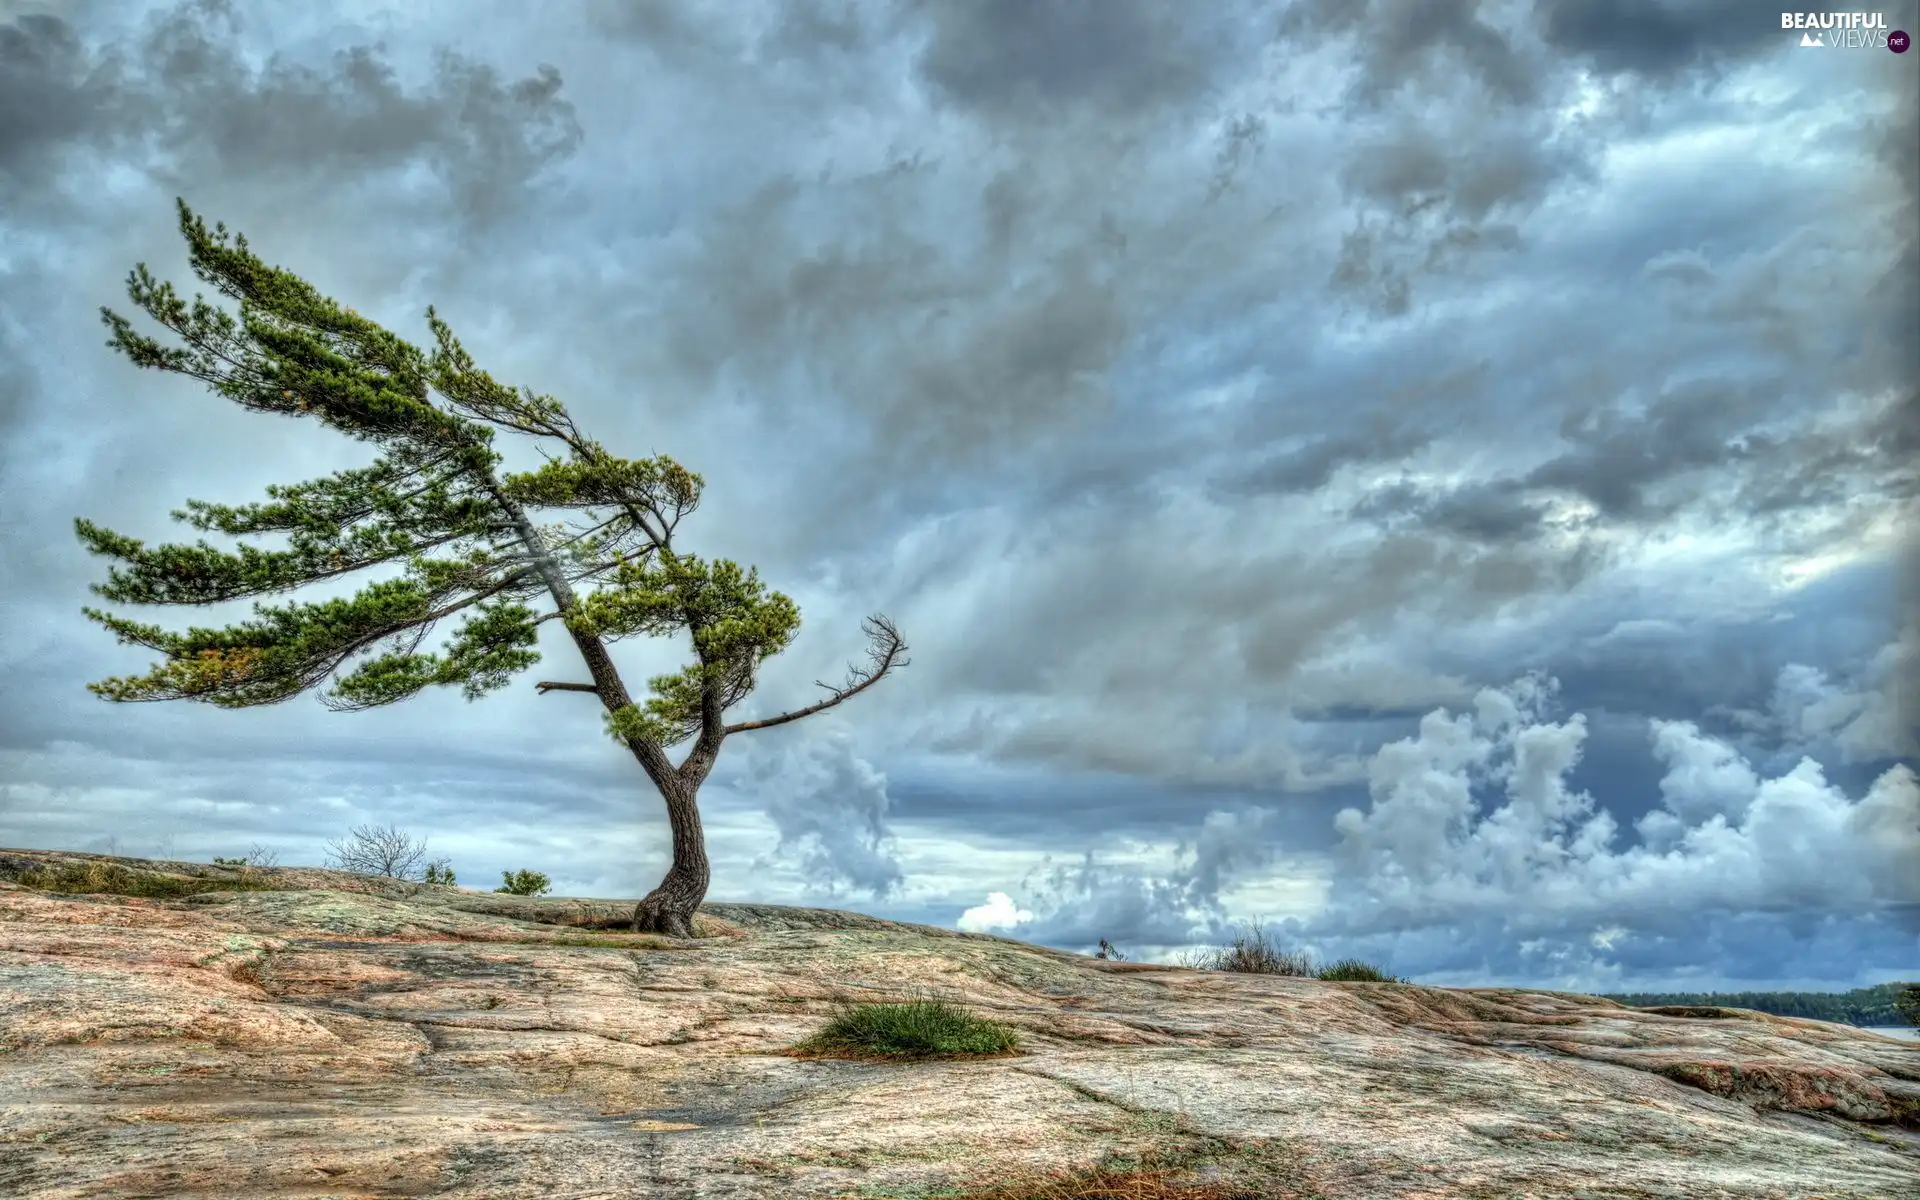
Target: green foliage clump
[[434, 503], [459, 534], [1253, 953], [1352, 970], [112, 879], [920, 1028], [1877, 1005], [1906, 1002], [256, 857], [524, 883], [439, 872]]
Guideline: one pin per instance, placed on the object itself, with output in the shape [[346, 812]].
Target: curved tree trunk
[[668, 909]]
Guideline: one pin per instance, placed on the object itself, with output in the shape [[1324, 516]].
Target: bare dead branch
[[886, 652], [548, 685]]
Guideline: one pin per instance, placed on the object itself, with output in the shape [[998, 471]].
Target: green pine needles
[[457, 534]]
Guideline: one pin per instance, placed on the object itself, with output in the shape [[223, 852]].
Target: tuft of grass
[[1253, 954], [257, 855], [112, 879], [1352, 970], [908, 1030]]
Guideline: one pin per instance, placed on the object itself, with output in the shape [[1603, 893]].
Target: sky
[[1434, 480]]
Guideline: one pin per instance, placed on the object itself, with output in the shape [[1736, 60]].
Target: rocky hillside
[[176, 1029]]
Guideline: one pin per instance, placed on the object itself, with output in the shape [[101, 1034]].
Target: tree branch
[[548, 685], [886, 653]]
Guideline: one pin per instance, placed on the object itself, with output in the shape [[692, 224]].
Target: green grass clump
[[1352, 970], [920, 1028], [1255, 953], [112, 879]]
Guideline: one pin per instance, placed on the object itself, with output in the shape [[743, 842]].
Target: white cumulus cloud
[[1473, 818], [999, 912]]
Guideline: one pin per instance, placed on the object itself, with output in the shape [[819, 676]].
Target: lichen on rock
[[310, 1032]]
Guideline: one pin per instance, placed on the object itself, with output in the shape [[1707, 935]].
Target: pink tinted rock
[[350, 1037]]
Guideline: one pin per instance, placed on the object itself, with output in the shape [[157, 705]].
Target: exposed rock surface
[[350, 1037]]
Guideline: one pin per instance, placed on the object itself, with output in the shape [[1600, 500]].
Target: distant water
[[1904, 1032]]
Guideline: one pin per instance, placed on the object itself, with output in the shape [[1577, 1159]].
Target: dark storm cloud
[[1309, 468], [1207, 411], [1618, 457], [1904, 686], [769, 291], [18, 381], [672, 29], [180, 89], [1497, 512], [1027, 58], [1824, 468], [1403, 44], [51, 92], [1659, 39], [1896, 302], [1418, 165], [819, 29], [1438, 189]]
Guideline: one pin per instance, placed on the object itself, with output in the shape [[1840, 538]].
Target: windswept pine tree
[[436, 502]]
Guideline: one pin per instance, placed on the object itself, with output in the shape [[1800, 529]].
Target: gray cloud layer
[[1212, 395]]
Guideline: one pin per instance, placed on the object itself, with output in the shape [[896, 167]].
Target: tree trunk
[[668, 909]]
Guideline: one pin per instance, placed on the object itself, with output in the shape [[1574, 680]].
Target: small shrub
[[1109, 950], [1352, 970], [440, 872], [382, 850], [912, 1029], [257, 857], [524, 883], [1252, 954]]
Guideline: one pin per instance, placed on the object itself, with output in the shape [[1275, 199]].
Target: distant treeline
[[1862, 1006]]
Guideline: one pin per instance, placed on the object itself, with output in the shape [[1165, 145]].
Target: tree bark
[[668, 909]]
